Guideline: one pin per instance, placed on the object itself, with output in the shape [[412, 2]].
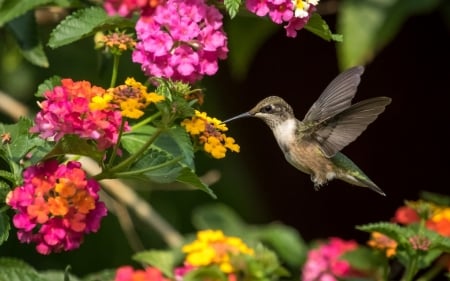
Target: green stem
[[116, 146], [411, 269], [148, 169], [146, 120], [115, 70], [127, 162]]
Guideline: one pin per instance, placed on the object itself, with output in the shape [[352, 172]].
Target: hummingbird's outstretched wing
[[337, 132], [336, 97]]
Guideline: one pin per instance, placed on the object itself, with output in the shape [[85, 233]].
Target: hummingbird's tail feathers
[[347, 171], [363, 182], [339, 131]]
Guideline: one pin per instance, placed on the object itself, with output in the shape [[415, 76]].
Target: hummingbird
[[313, 145]]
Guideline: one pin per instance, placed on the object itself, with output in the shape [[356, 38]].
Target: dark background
[[404, 151]]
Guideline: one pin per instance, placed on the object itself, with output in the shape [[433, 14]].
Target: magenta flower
[[294, 13], [56, 206], [324, 263], [181, 40], [66, 110]]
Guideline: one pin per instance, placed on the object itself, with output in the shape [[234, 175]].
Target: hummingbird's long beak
[[243, 115]]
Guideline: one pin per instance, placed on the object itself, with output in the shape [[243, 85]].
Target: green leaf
[[5, 227], [162, 260], [436, 198], [218, 216], [24, 30], [12, 8], [320, 28], [17, 270], [245, 36], [104, 275], [366, 260], [7, 176], [4, 189], [73, 144], [188, 176], [22, 141], [368, 27], [394, 231], [48, 85], [174, 142], [84, 23], [205, 273], [284, 240], [232, 7]]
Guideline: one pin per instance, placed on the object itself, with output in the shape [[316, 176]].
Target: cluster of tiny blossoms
[[66, 110], [131, 98], [295, 13], [212, 247], [181, 40], [208, 132], [324, 263], [56, 206]]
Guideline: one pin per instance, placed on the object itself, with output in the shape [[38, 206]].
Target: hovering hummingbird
[[313, 145]]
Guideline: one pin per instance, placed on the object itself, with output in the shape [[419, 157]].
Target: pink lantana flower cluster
[[294, 13], [324, 263], [181, 40], [56, 206], [66, 110]]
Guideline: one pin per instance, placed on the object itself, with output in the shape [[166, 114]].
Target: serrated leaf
[[4, 190], [17, 270], [22, 141], [284, 240], [218, 216], [368, 28], [48, 85], [12, 9], [319, 27], [7, 176], [157, 166], [175, 142], [232, 7], [188, 176], [73, 144], [5, 227], [162, 260], [24, 30], [392, 230], [83, 23]]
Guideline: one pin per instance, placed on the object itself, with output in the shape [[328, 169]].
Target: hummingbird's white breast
[[285, 133]]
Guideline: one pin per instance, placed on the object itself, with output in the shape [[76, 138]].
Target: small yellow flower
[[100, 102], [130, 109], [132, 98], [215, 147], [208, 132], [383, 242], [213, 247]]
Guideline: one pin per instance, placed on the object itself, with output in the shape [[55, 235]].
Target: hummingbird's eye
[[267, 108]]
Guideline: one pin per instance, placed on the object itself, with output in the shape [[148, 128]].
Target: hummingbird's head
[[272, 110]]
